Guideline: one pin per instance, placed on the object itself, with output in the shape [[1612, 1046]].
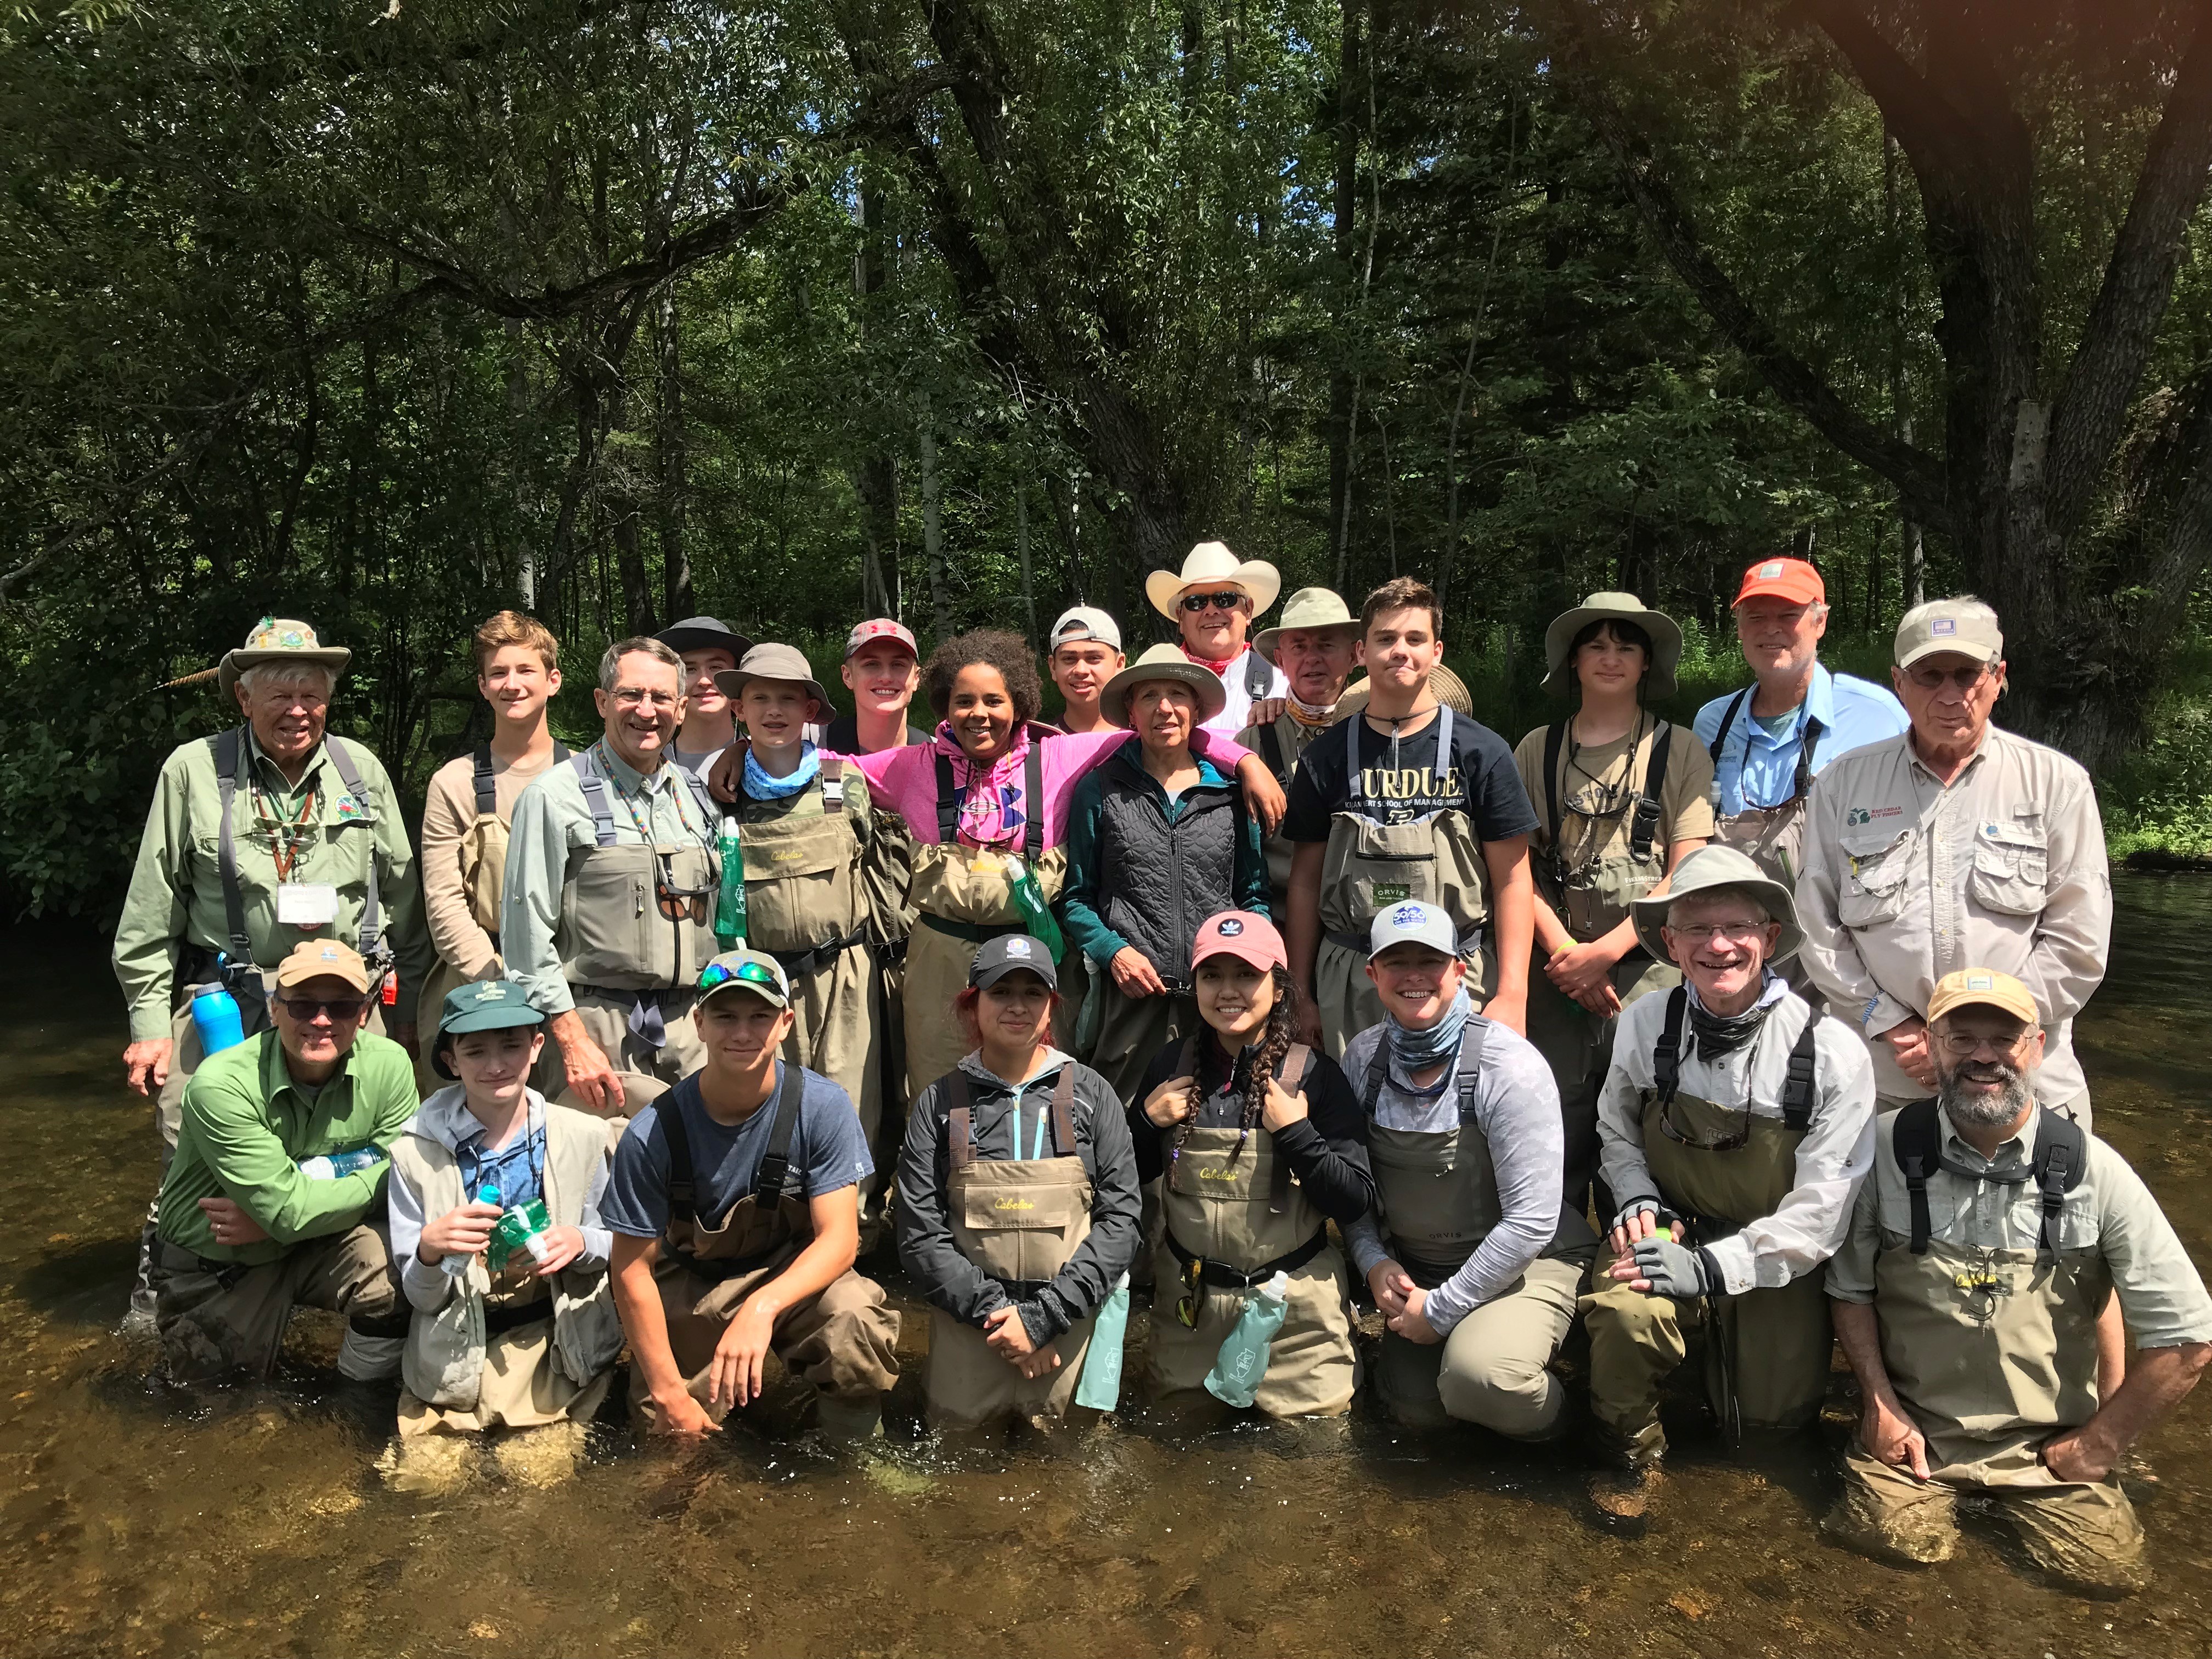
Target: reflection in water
[[134, 1519]]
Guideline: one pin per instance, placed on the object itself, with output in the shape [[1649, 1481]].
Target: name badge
[[306, 904]]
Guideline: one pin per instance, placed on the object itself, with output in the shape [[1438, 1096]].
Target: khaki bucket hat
[[1208, 563], [772, 662], [1666, 641], [1713, 868], [1308, 608], [278, 639], [1164, 662]]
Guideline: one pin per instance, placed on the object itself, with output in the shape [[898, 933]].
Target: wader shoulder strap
[[1353, 800], [1063, 1112], [948, 801], [1378, 1073], [709, 814], [1797, 1086], [1801, 785], [960, 1122], [1033, 801], [2061, 1159], [1555, 739], [1259, 675], [372, 913], [1644, 827], [595, 797], [772, 1181], [1471, 1048], [833, 784], [1290, 1074], [230, 777], [1667, 1058], [486, 786], [1270, 751], [1720, 737], [683, 1203]]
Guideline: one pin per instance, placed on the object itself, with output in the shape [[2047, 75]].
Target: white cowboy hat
[[1206, 565]]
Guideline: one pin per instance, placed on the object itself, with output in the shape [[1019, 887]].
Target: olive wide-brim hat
[[772, 662], [1309, 608], [1164, 662], [1666, 641], [1715, 868], [278, 639]]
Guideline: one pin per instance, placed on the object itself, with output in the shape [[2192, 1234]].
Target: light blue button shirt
[[1852, 713]]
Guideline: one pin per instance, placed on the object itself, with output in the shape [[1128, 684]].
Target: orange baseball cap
[[1783, 579]]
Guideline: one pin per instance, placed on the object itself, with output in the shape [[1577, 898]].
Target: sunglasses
[[1193, 1298], [746, 973], [1727, 1143], [340, 1009], [1195, 603], [678, 902]]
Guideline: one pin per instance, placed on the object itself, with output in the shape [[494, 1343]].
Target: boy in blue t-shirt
[[746, 1176]]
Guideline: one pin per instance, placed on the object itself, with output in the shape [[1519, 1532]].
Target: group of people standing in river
[[1755, 1033]]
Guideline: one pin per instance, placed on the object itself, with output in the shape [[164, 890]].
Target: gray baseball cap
[[1411, 923], [1962, 627], [1079, 623]]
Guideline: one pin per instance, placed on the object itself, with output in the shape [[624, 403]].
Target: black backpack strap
[[1720, 737], [1797, 1086], [833, 784], [1915, 1142], [230, 777], [1033, 800], [1667, 1057], [683, 1200], [486, 786], [1259, 675], [595, 797], [2060, 1158], [1290, 1074], [1063, 1112], [960, 1121], [1270, 751], [772, 1181], [1472, 1046], [1644, 826], [1802, 784], [1378, 1073], [372, 912], [948, 801], [1555, 739]]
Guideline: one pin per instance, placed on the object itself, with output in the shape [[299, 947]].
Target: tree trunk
[[671, 440], [1343, 396], [1022, 550], [933, 527]]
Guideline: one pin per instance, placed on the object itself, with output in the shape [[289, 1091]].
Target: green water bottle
[[1243, 1361], [521, 1229], [730, 905], [1036, 915]]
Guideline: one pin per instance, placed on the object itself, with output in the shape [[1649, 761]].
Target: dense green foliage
[[386, 314]]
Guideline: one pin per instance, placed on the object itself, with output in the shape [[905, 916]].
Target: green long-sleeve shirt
[[247, 1126], [1081, 900], [175, 898]]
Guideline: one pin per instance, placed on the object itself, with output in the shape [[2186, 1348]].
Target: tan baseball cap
[[319, 958], [1962, 627], [1986, 986]]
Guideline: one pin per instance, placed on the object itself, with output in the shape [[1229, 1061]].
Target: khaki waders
[[1235, 1218], [1019, 1220], [842, 1340], [1767, 1351], [217, 1317], [1369, 865]]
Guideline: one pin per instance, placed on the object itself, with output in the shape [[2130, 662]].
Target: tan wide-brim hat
[[1206, 565], [772, 662], [1712, 868], [1308, 608], [1451, 692], [1666, 641], [1162, 662], [278, 639]]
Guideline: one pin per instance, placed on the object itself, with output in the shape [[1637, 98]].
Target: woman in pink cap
[[1225, 1119]]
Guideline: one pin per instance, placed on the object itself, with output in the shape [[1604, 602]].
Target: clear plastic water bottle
[[1243, 1361], [335, 1166], [730, 903], [215, 1019]]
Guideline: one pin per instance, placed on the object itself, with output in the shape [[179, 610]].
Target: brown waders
[[1602, 849], [1019, 1220], [1719, 1168], [1437, 1194], [1368, 866], [842, 1340], [1235, 1218]]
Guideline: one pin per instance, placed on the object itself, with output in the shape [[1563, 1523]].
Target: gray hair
[[1676, 904], [267, 675], [636, 645]]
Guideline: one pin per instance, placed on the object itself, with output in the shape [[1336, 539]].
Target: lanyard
[[643, 826], [285, 840], [478, 1157]]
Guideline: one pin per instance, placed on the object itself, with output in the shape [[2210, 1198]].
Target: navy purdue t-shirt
[[1402, 780]]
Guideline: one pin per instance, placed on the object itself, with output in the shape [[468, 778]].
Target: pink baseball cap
[[1244, 934], [880, 627]]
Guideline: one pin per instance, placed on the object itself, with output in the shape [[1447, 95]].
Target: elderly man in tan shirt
[[1956, 845]]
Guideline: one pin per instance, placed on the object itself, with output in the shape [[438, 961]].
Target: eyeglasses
[[341, 1009], [631, 697], [1959, 1045], [746, 973], [1932, 679], [1728, 1143], [1737, 932], [1228, 600]]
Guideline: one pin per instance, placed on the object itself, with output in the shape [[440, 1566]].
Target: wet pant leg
[[215, 1317], [1636, 1342], [1885, 1512]]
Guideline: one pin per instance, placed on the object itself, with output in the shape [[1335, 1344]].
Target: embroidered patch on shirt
[[348, 807]]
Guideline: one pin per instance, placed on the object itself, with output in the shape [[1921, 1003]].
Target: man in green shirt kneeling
[[280, 1161]]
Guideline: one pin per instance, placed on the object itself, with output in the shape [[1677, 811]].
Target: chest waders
[[962, 896], [1019, 1220], [483, 844], [1369, 865], [1987, 1346], [1620, 852], [1720, 1169], [1235, 1218], [1774, 836]]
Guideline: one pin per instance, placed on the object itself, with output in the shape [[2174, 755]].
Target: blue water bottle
[[215, 1019]]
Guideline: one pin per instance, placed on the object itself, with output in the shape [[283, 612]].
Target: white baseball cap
[[1079, 623], [1411, 923]]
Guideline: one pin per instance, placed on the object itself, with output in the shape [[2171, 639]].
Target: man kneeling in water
[[735, 1207], [1478, 1279]]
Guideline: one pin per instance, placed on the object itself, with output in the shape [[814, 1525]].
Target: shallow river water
[[136, 1520]]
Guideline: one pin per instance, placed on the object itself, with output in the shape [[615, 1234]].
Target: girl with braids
[[1257, 1142]]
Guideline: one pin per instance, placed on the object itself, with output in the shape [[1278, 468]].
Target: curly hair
[[992, 647], [1282, 1033]]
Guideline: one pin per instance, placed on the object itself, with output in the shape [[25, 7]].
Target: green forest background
[[386, 312]]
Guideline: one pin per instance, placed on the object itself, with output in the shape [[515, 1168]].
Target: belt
[[1221, 1275], [889, 953], [973, 932], [500, 1320], [176, 1259], [797, 964]]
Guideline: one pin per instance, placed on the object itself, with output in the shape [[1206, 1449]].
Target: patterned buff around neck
[[760, 787]]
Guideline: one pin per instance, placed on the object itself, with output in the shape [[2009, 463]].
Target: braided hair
[[1282, 1033]]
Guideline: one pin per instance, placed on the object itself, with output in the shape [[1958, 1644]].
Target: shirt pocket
[[2011, 873], [1876, 868]]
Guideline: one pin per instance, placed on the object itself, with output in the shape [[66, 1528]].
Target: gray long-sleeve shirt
[[1517, 1106], [925, 1245]]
